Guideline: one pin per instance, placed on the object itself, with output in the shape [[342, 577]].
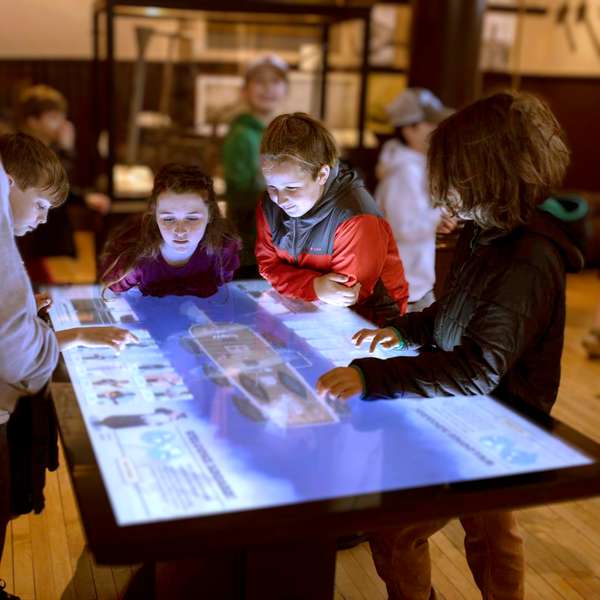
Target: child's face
[[29, 207], [292, 188], [182, 220], [417, 135], [48, 125], [265, 91]]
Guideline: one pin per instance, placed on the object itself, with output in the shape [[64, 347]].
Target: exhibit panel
[[215, 411]]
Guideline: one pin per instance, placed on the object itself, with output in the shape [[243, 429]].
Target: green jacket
[[241, 159]]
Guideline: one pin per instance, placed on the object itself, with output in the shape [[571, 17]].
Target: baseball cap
[[414, 105], [271, 61]]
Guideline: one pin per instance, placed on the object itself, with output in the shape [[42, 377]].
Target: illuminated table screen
[[215, 410]]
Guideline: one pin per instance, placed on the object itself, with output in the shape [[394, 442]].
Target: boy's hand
[[66, 136], [96, 337], [342, 383], [329, 288], [42, 302], [388, 338], [98, 202]]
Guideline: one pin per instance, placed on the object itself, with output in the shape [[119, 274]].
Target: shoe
[[5, 595], [350, 541]]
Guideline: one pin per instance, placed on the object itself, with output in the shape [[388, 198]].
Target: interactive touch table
[[208, 433]]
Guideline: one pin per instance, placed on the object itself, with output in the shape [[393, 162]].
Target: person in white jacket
[[402, 190]]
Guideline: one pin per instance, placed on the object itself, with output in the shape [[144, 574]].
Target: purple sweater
[[200, 276]]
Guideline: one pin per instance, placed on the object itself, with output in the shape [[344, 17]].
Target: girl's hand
[[342, 383], [42, 302], [329, 288], [96, 337], [388, 338]]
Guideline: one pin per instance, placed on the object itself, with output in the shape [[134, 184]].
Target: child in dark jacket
[[320, 234], [181, 245], [499, 327]]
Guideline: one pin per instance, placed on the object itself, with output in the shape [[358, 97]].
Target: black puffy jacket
[[499, 327]]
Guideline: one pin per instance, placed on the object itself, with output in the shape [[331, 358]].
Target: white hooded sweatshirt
[[403, 198], [28, 347]]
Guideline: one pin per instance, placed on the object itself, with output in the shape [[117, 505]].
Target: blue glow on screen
[[215, 410]]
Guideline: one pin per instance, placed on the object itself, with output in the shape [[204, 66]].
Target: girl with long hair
[[180, 245]]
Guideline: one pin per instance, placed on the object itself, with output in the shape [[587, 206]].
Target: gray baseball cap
[[268, 61], [415, 105]]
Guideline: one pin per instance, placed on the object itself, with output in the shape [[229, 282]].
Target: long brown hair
[[139, 239], [497, 159]]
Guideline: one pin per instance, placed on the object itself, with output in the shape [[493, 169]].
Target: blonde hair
[[299, 138], [33, 165]]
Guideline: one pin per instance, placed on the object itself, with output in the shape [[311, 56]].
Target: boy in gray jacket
[[32, 180], [28, 347]]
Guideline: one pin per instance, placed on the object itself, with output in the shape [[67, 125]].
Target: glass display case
[[168, 76]]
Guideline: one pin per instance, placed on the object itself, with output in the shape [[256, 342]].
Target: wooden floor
[[562, 541]]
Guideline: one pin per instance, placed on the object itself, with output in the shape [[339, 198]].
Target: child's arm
[[28, 348], [132, 279], [95, 337], [364, 249], [412, 329], [502, 327], [230, 261], [284, 277]]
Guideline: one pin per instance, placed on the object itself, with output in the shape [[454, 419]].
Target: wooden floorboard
[[562, 541]]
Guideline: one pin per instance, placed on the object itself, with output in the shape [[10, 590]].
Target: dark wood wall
[[74, 79], [576, 103]]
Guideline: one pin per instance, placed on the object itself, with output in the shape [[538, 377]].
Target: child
[[498, 329], [265, 89], [182, 244], [32, 180], [320, 235], [42, 113], [402, 192]]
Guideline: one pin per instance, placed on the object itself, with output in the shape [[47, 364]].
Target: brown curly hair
[[497, 159], [140, 238]]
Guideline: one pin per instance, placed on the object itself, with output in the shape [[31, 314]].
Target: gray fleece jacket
[[28, 347]]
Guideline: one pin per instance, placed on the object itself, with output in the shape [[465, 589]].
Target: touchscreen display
[[215, 409]]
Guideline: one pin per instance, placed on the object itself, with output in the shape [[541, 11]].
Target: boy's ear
[[11, 180], [323, 174]]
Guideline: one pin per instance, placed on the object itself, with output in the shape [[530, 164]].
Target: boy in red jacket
[[320, 235]]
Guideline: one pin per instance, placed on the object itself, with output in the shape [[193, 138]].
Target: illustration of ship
[[257, 371]]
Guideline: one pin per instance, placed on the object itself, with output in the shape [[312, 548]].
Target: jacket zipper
[[294, 251]]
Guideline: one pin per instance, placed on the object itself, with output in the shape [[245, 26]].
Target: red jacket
[[343, 233]]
